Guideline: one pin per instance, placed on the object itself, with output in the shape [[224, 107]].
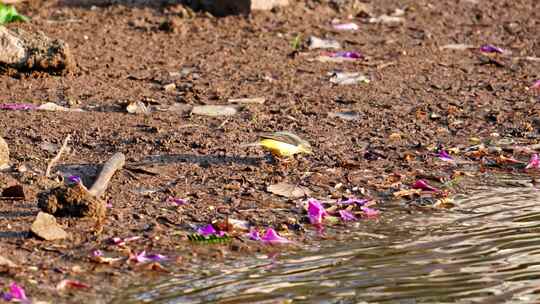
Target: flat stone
[[4, 153], [46, 227]]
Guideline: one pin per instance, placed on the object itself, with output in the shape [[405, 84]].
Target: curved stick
[[116, 162]]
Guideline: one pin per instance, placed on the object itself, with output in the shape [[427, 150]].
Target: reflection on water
[[485, 251]]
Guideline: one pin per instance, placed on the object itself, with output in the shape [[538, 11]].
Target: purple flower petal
[[74, 179], [534, 162], [121, 242], [17, 106], [424, 186], [316, 212], [444, 156], [351, 201], [488, 48], [144, 258], [177, 201], [271, 237], [97, 253], [208, 230], [347, 215], [347, 54], [369, 212], [346, 27], [15, 292], [254, 235]]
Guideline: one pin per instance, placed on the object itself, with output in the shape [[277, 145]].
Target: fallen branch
[[58, 156]]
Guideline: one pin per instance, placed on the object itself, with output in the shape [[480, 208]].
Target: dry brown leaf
[[289, 190]]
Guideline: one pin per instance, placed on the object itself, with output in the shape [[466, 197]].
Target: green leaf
[[8, 14]]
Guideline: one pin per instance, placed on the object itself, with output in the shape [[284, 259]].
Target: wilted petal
[[347, 215], [15, 292], [347, 54], [72, 284], [17, 106], [177, 201], [369, 211], [356, 201], [316, 212], [143, 257], [346, 27], [423, 185], [488, 48], [534, 162], [254, 235], [271, 237], [444, 156], [74, 179], [207, 230]]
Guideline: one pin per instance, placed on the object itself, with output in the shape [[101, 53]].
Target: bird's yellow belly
[[278, 148]]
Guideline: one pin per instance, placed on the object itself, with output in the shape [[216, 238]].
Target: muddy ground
[[420, 96]]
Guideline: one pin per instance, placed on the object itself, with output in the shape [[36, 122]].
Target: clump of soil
[[72, 201]]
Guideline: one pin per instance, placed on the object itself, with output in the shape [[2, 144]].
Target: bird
[[283, 144]]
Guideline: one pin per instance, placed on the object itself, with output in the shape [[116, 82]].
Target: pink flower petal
[[356, 201], [424, 186], [346, 27], [17, 106], [534, 162], [444, 156], [347, 215], [144, 258], [254, 235], [72, 284], [207, 230], [347, 54], [488, 48], [177, 201], [271, 237], [15, 292], [316, 212], [369, 212], [536, 85]]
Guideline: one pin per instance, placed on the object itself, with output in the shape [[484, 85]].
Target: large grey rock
[[23, 50]]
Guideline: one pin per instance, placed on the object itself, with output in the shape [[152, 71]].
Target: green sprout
[[296, 43], [8, 14]]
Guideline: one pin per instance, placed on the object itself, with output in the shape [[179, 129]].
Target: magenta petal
[[177, 201], [351, 201], [17, 292], [369, 211], [534, 162], [17, 106], [444, 156], [271, 237], [316, 212], [346, 27], [254, 235], [347, 216], [488, 48], [207, 230], [156, 257], [75, 179], [350, 55], [424, 186]]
